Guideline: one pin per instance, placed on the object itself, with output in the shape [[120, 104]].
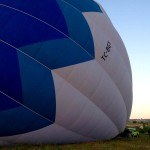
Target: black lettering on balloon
[[106, 53], [103, 58]]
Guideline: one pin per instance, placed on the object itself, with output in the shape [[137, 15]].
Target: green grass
[[141, 143]]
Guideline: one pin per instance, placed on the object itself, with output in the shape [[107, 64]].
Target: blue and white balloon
[[65, 75]]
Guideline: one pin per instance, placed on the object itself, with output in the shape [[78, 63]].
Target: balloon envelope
[[65, 75]]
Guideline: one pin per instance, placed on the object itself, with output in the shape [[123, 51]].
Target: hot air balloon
[[65, 75]]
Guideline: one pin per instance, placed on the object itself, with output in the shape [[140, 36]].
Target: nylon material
[[57, 53], [84, 77], [53, 28], [12, 136], [83, 6], [104, 21], [52, 134], [37, 87], [94, 121], [119, 75], [93, 73], [98, 41], [6, 103], [120, 72], [77, 23], [24, 61], [67, 104], [111, 32], [34, 60], [119, 45], [110, 59], [18, 120], [49, 134], [82, 112], [10, 81], [28, 109], [116, 37], [108, 30], [66, 71], [49, 7], [29, 57], [27, 29], [111, 133], [111, 102], [9, 140]]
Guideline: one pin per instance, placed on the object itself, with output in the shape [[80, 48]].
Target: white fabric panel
[[103, 24], [8, 140], [51, 134], [93, 82], [117, 40], [79, 114], [103, 31], [117, 63]]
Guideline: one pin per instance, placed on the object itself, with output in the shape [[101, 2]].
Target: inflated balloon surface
[[65, 75]]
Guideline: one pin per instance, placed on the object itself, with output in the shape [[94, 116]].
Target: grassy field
[[141, 143]]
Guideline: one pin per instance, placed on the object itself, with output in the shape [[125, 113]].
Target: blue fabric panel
[[32, 85], [6, 103], [37, 87], [20, 29], [19, 120], [85, 5], [57, 53], [78, 27], [46, 10], [10, 82]]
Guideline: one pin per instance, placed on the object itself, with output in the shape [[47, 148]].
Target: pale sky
[[131, 18]]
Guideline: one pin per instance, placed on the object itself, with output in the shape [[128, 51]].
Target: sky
[[131, 18]]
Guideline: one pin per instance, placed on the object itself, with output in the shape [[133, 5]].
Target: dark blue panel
[[85, 5], [19, 120], [37, 87], [20, 29], [10, 82], [6, 103], [46, 10], [57, 53], [78, 28]]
